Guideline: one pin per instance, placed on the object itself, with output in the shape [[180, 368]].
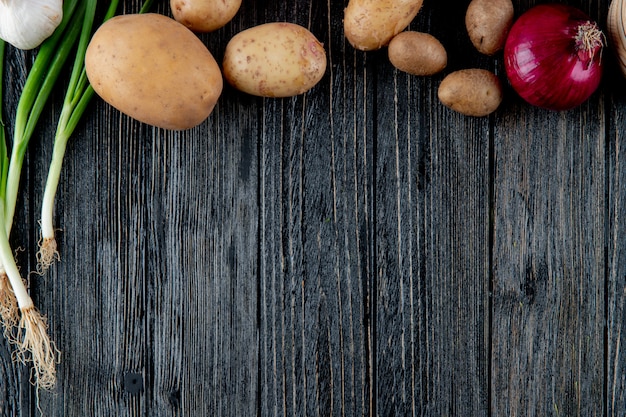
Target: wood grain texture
[[359, 250], [549, 260], [548, 303], [316, 228], [163, 264], [432, 272], [20, 398], [616, 257], [432, 239]]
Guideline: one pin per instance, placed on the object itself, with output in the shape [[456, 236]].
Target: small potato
[[370, 24], [417, 53], [276, 59], [473, 92], [488, 23], [204, 15], [153, 69]]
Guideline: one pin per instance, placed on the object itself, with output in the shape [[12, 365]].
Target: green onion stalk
[[30, 334], [79, 94], [9, 313], [50, 60], [28, 329], [24, 326]]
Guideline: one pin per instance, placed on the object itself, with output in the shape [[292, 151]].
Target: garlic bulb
[[26, 23], [616, 28]]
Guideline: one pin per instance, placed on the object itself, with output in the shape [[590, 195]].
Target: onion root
[[35, 346], [589, 40], [47, 254], [9, 311]]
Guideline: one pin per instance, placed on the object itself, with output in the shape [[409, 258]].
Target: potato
[[370, 24], [417, 53], [153, 69], [488, 23], [276, 59], [204, 15], [473, 92]]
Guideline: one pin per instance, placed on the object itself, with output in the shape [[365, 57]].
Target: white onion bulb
[[25, 24]]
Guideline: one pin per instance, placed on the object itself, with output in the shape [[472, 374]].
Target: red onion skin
[[545, 63]]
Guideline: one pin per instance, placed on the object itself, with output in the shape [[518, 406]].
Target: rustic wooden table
[[359, 250]]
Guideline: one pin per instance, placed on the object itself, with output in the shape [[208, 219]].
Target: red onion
[[553, 56]]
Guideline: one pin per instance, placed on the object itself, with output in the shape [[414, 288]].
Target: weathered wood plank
[[549, 257], [217, 250], [548, 262], [616, 254], [432, 238], [154, 304], [20, 400], [433, 271], [96, 296], [315, 233], [330, 254], [549, 276], [9, 375]]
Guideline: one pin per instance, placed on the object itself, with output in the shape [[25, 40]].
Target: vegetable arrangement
[[23, 324], [552, 53], [371, 25], [156, 70], [125, 58]]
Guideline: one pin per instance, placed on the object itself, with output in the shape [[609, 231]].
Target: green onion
[[9, 313], [78, 95], [26, 329], [39, 84], [146, 6], [30, 334]]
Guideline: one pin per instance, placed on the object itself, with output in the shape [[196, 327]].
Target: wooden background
[[359, 250]]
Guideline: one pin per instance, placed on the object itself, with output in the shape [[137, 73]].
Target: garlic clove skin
[[616, 28], [25, 24]]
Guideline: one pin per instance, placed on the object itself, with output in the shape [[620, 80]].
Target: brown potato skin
[[153, 69], [488, 23], [371, 24], [473, 92], [204, 15], [417, 53], [277, 59]]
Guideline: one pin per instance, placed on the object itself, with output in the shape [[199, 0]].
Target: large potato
[[473, 92], [488, 23], [153, 69], [276, 59], [370, 24], [204, 15]]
